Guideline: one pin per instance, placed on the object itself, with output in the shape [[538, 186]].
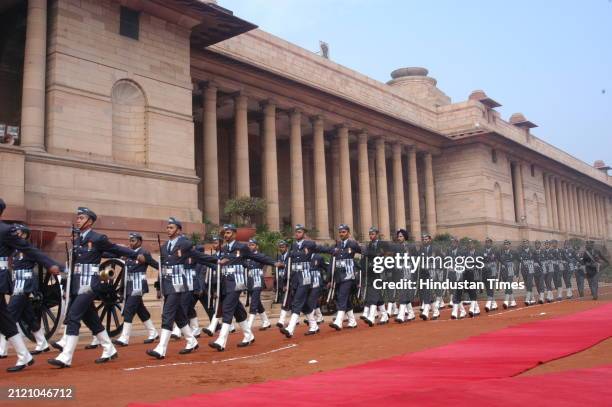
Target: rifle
[[218, 289], [288, 281], [330, 294], [70, 255], [159, 271]]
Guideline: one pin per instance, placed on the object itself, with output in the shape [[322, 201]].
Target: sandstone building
[[143, 109]]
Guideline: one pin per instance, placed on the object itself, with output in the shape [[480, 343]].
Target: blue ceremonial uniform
[[300, 278], [89, 248], [344, 274]]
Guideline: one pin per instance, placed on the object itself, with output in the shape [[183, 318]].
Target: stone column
[[598, 220], [583, 218], [576, 209], [243, 183], [298, 213], [345, 177], [519, 201], [572, 208], [561, 204], [549, 218], [413, 182], [336, 197], [210, 177], [398, 187], [592, 210], [373, 193], [430, 195], [365, 203], [587, 213], [34, 74], [553, 195], [320, 179], [270, 167], [381, 187]]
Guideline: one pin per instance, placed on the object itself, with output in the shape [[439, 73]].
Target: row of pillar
[[574, 209], [373, 197]]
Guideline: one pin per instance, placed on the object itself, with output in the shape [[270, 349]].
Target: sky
[[548, 59]]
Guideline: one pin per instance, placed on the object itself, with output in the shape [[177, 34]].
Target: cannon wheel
[[110, 300], [46, 304]]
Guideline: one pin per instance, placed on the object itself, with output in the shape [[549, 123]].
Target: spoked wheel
[[46, 304], [110, 300]]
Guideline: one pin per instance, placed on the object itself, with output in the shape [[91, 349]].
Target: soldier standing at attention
[[507, 258], [137, 286], [491, 272], [175, 254], [373, 297], [232, 261], [85, 283], [344, 276], [9, 242]]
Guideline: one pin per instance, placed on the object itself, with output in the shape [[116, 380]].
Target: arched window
[[499, 205], [129, 132]]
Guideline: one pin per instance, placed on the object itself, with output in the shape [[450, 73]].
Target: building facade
[[144, 109]]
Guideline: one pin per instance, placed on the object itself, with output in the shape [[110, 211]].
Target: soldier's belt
[[301, 266], [24, 274], [3, 263], [344, 263], [135, 276], [86, 268], [168, 271]]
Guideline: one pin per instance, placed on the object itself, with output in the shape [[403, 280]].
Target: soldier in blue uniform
[[300, 279], [373, 297], [427, 271], [539, 258], [231, 259], [570, 258], [560, 268], [491, 272], [344, 276], [212, 291], [256, 283], [473, 274], [85, 284], [548, 263], [25, 284], [507, 258], [10, 242], [408, 273], [281, 284], [456, 275], [592, 259], [175, 254], [136, 287], [319, 277]]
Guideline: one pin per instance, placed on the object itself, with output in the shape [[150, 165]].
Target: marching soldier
[[213, 291], [175, 255], [85, 283], [491, 260], [373, 297], [506, 258], [559, 268], [548, 260], [473, 274], [9, 242], [300, 279], [231, 259], [538, 277], [427, 271], [571, 259], [25, 284], [456, 275], [592, 260], [256, 283], [527, 266], [408, 274], [319, 277], [343, 276], [136, 287], [281, 284]]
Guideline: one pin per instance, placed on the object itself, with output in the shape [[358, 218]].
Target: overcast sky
[[549, 59]]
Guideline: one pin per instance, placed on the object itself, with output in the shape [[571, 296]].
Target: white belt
[[300, 266], [79, 268], [26, 273], [344, 263]]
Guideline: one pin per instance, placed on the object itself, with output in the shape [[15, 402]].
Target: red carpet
[[495, 355]]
